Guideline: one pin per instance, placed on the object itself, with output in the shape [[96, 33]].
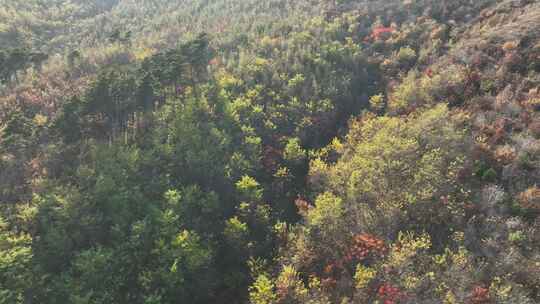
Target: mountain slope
[[270, 151]]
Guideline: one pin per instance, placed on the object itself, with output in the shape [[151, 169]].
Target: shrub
[[480, 295], [527, 160], [377, 102], [487, 85], [490, 175], [516, 237], [505, 154], [534, 128], [293, 151], [363, 276], [262, 291], [249, 189], [327, 212], [390, 294], [406, 95], [406, 57], [530, 198], [288, 285], [235, 231], [365, 246], [510, 46]]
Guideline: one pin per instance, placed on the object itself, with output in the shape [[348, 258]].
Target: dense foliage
[[269, 152]]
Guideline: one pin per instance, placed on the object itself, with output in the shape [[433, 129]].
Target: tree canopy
[[269, 152]]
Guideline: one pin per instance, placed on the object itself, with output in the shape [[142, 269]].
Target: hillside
[[270, 152]]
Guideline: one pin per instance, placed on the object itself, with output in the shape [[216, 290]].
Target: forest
[[270, 151]]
